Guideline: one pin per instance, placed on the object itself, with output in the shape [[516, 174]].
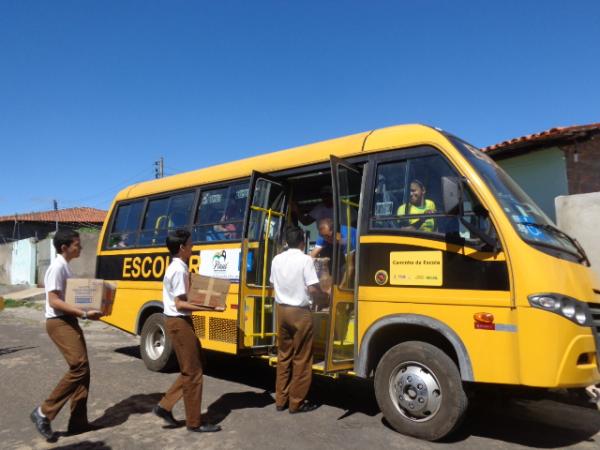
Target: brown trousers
[[294, 355], [68, 337], [189, 384]]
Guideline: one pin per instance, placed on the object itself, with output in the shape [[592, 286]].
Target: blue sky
[[93, 92]]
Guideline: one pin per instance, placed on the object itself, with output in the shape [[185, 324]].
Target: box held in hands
[[91, 294], [208, 291]]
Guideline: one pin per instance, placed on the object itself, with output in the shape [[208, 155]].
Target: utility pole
[[159, 168], [55, 203]]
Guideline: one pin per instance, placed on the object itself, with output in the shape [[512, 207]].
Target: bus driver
[[418, 204]]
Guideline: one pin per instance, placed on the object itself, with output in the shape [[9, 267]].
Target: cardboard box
[[208, 291], [322, 269], [91, 294]]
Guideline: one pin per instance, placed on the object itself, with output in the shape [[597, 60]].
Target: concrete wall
[[5, 263], [579, 216], [26, 262], [45, 254], [542, 174]]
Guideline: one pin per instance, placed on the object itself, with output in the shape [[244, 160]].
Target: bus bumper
[[579, 367]]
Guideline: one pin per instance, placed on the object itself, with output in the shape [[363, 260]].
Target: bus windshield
[[532, 224]]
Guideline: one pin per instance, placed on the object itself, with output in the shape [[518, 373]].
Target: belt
[[186, 318], [294, 306], [65, 318]]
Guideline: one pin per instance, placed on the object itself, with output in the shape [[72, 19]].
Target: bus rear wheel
[[155, 346], [419, 390]]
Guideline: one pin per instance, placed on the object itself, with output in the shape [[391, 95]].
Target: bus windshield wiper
[[547, 227]]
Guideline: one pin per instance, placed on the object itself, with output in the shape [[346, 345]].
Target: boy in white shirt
[[65, 332], [178, 322]]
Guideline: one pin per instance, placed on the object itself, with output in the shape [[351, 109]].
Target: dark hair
[[64, 237], [418, 183], [294, 236], [176, 239]]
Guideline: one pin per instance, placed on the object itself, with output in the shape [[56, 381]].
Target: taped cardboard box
[[321, 302], [208, 291], [91, 294], [322, 269]]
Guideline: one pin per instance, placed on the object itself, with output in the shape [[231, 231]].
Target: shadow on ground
[[9, 350], [534, 418], [120, 412], [132, 350], [350, 394], [85, 445], [220, 408]]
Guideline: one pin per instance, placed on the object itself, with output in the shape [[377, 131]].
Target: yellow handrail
[[270, 213]]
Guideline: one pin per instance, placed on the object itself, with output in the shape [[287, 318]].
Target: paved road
[[238, 395]]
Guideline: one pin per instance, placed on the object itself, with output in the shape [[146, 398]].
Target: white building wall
[[579, 216]]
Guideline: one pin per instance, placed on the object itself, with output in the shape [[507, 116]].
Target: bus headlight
[[576, 311]]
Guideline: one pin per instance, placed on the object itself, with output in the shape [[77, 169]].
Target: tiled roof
[[557, 134], [84, 215]]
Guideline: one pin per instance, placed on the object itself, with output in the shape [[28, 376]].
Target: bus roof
[[369, 141]]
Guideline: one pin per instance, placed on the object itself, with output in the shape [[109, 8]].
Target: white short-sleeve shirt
[[175, 283], [291, 273], [55, 279]]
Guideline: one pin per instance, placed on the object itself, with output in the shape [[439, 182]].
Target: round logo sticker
[[381, 277]]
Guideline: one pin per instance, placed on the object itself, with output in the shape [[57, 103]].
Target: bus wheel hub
[[415, 391]]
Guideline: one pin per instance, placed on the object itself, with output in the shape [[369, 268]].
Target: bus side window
[[408, 196], [125, 227], [476, 214], [389, 194], [220, 214], [164, 214], [424, 196]]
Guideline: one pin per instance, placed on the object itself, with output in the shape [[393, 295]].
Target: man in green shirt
[[418, 204]]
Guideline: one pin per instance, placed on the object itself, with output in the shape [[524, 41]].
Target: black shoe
[[42, 424], [167, 416], [81, 428], [281, 408], [206, 428], [305, 407]]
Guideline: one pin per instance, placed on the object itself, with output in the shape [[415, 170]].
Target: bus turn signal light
[[483, 317]]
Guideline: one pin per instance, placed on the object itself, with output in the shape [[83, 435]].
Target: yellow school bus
[[443, 271]]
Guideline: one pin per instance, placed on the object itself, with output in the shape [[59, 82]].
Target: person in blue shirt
[[324, 244]]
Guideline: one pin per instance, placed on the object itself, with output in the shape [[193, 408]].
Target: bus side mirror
[[451, 192]]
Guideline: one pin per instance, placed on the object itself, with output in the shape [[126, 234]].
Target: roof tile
[[552, 133], [83, 214]]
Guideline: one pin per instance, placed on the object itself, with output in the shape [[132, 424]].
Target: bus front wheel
[[155, 346], [419, 390]]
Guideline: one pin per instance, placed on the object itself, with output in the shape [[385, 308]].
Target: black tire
[[419, 390], [155, 346]]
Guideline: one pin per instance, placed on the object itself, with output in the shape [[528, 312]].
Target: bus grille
[[595, 311], [224, 330], [199, 326]]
